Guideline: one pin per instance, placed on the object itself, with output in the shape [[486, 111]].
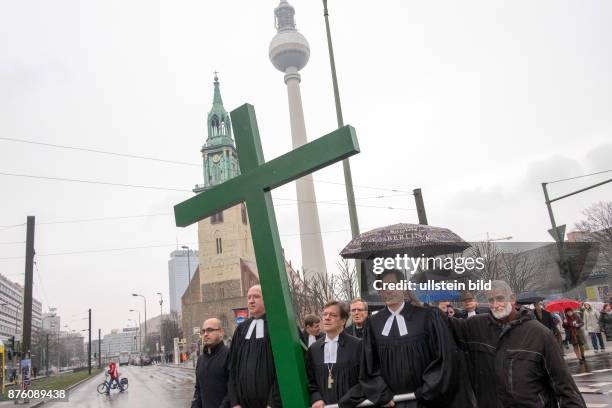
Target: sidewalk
[[186, 365], [571, 356]]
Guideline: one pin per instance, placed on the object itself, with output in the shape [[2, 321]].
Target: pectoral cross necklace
[[330, 379]]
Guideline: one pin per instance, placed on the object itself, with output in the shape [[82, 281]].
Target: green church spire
[[219, 157], [217, 101]]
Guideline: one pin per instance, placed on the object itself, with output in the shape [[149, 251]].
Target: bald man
[[212, 369], [514, 361], [252, 377]]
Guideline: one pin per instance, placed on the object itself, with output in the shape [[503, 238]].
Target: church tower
[[227, 267], [219, 158]]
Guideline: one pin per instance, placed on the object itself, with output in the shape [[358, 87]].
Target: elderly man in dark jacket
[[514, 360]]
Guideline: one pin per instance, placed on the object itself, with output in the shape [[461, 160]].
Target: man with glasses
[[212, 369], [359, 314], [332, 362], [514, 361]]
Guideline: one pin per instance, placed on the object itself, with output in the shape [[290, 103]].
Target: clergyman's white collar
[[258, 325], [401, 322]]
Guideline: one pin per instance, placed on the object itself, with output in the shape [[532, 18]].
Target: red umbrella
[[562, 304]]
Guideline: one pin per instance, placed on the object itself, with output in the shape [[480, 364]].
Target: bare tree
[[521, 271], [346, 280], [491, 253], [310, 295], [597, 228], [598, 221]]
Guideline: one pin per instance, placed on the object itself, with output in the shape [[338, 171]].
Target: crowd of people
[[570, 327], [500, 356]]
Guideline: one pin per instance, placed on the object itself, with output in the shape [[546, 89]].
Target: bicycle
[[104, 386]]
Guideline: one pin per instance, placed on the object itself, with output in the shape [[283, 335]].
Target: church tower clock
[[220, 161]]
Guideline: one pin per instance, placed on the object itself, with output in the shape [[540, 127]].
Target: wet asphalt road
[[149, 387], [161, 386], [594, 379]]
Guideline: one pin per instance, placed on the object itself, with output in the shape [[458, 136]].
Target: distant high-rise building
[[11, 310], [117, 341], [180, 262], [51, 322]]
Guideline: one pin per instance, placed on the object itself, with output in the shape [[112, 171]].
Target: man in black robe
[[359, 314], [252, 378], [332, 362], [212, 369], [407, 348]]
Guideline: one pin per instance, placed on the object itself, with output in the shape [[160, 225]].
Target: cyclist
[[114, 376]]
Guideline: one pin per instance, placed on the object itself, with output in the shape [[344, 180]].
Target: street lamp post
[[145, 313], [139, 331], [161, 322], [190, 329], [134, 344], [346, 165]]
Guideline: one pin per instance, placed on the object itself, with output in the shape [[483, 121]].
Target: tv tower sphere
[[288, 48]]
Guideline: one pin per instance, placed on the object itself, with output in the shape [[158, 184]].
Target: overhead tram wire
[[89, 251], [42, 287], [577, 177], [171, 189], [176, 162], [84, 149], [94, 182], [7, 227]]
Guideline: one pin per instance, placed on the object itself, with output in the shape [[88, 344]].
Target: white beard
[[503, 314]]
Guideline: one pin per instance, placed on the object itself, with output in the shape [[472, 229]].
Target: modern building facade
[[11, 310], [180, 263], [117, 341], [51, 321]]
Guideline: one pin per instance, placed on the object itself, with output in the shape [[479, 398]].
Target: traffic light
[[12, 342]]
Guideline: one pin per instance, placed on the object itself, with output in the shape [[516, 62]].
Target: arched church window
[[216, 218], [224, 322], [214, 123]]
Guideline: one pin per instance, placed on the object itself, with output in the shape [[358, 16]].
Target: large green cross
[[253, 186]]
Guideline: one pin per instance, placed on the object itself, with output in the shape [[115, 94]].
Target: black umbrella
[[410, 239], [529, 298]]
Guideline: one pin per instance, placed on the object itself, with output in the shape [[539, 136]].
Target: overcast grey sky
[[475, 102]]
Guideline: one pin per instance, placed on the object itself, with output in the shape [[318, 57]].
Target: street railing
[[368, 403]]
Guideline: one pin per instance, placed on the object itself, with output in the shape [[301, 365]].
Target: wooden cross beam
[[253, 186]]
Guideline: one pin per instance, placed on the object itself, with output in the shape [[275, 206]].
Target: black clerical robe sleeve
[[372, 383], [232, 394], [439, 378], [313, 387]]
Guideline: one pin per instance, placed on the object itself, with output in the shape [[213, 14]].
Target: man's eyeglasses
[[357, 310], [209, 330]]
